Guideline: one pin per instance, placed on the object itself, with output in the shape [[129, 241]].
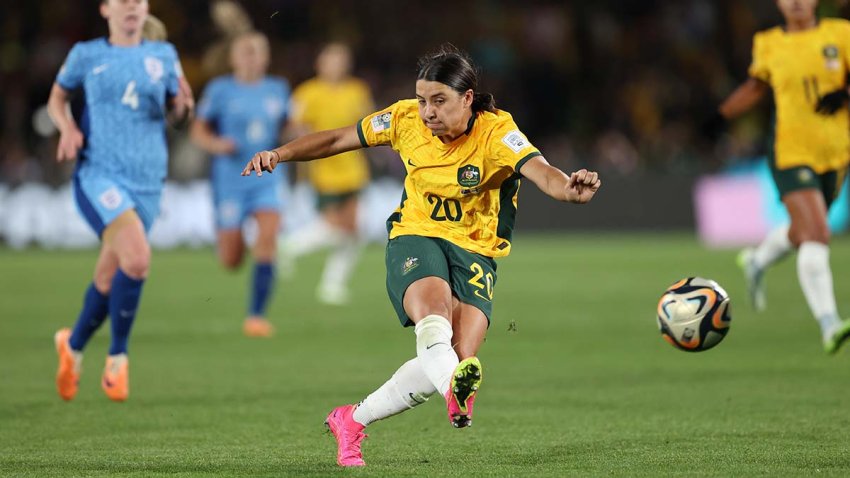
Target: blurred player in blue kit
[[131, 86], [238, 115]]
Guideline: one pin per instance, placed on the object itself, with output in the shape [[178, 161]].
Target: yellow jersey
[[801, 67], [321, 105], [465, 191]]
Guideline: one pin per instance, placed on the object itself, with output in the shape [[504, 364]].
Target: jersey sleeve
[[758, 68], [379, 127], [73, 71], [208, 107], [510, 148], [175, 72]]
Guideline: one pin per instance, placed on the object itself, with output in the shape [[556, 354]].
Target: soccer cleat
[[349, 435], [68, 374], [256, 327], [462, 391], [753, 276], [837, 337], [116, 377]]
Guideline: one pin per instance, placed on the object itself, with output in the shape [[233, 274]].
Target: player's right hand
[[833, 101], [262, 161], [70, 142]]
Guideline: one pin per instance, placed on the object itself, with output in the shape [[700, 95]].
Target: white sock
[[340, 264], [434, 349], [407, 388], [312, 237], [773, 248], [816, 281]]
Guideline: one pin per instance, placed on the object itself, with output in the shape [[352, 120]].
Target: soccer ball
[[693, 314]]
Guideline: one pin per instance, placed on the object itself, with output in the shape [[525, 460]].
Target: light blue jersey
[[251, 115], [124, 120], [124, 160]]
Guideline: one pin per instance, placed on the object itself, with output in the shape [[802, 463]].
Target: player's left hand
[[833, 101], [262, 161], [581, 186]]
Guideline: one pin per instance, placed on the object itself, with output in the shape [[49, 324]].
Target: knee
[[435, 308], [230, 260], [818, 233], [231, 264], [137, 263]]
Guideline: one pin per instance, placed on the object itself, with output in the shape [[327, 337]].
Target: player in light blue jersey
[[131, 86], [238, 114]]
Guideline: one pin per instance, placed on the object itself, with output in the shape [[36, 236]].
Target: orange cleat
[[68, 374], [257, 327], [116, 377]]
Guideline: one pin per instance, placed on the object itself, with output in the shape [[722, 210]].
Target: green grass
[[584, 386]]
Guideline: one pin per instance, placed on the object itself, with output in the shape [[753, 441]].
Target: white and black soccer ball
[[693, 314]]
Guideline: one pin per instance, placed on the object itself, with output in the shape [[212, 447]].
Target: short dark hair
[[453, 68]]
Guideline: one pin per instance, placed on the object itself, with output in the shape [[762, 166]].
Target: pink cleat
[[349, 434], [462, 390]]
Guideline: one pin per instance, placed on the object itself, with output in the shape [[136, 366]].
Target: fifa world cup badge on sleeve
[[381, 122], [515, 140]]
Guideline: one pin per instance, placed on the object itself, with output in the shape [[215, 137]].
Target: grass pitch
[[582, 384]]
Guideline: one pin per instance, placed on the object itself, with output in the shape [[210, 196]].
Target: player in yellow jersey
[[464, 161], [805, 64], [331, 100]]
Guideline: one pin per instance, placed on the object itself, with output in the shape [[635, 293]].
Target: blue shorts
[[100, 200], [236, 198]]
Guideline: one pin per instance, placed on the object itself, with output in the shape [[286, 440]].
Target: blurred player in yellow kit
[[805, 63], [331, 100]]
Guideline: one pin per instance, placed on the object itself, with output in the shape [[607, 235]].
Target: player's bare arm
[[306, 148], [578, 187], [70, 136], [744, 98], [203, 135], [181, 107]]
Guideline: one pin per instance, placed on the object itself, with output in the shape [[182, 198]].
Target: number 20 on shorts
[[487, 286]]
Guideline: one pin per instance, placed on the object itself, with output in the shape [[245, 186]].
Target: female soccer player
[[238, 115], [464, 161], [805, 63], [128, 84], [331, 100]]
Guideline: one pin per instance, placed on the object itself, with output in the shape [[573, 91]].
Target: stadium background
[[619, 86]]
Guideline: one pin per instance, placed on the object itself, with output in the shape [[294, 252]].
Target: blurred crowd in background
[[618, 85]]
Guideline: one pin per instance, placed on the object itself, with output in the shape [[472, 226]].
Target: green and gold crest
[[469, 176], [830, 52]]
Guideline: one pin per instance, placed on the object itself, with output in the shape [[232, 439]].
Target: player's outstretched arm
[[578, 187], [70, 136], [306, 148], [744, 98]]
